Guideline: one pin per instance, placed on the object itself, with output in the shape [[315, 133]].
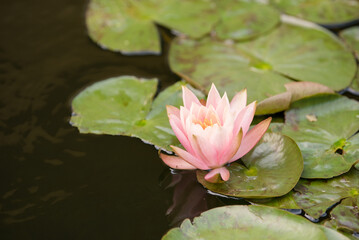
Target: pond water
[[57, 183]]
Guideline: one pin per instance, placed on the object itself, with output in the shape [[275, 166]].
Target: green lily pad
[[316, 196], [351, 38], [295, 91], [322, 127], [245, 20], [320, 11], [249, 222], [355, 84], [285, 202], [272, 168], [297, 52], [114, 26], [129, 26], [305, 53], [123, 106], [330, 224], [346, 214]]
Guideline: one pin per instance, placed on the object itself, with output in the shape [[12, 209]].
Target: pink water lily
[[214, 133]]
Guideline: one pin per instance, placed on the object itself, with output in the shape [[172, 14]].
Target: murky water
[[56, 183]]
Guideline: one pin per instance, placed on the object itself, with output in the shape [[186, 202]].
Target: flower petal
[[188, 157], [172, 110], [213, 97], [207, 151], [244, 118], [232, 148], [215, 175], [252, 138], [180, 133], [176, 162], [239, 102], [189, 98]]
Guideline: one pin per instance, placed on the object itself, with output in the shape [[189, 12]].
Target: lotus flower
[[214, 133]]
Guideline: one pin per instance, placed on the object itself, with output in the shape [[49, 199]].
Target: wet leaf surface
[[316, 196], [123, 106], [285, 202], [250, 222], [346, 214], [327, 144], [320, 11], [272, 168]]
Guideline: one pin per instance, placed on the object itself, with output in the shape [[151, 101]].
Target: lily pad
[[284, 202], [346, 214], [244, 20], [129, 26], [272, 168], [316, 196], [320, 11], [351, 38], [355, 84], [295, 91], [113, 26], [306, 53], [123, 106], [323, 126], [270, 61], [249, 222]]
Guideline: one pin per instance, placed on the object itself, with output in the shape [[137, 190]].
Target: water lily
[[214, 133]]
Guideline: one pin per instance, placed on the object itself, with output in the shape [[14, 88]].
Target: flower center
[[205, 123]]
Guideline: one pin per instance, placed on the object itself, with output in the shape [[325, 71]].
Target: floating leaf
[[316, 196], [114, 26], [285, 202], [295, 91], [326, 144], [250, 222], [301, 53], [346, 214], [355, 83], [123, 106], [245, 20], [305, 53], [320, 11], [351, 38], [272, 168], [129, 26]]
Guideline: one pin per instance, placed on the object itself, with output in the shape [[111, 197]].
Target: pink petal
[[179, 132], [213, 97], [176, 162], [222, 107], [213, 175], [244, 118], [232, 148], [239, 102], [188, 157], [172, 110], [208, 151], [189, 98], [252, 138]]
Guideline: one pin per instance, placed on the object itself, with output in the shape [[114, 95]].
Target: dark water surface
[[59, 184]]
